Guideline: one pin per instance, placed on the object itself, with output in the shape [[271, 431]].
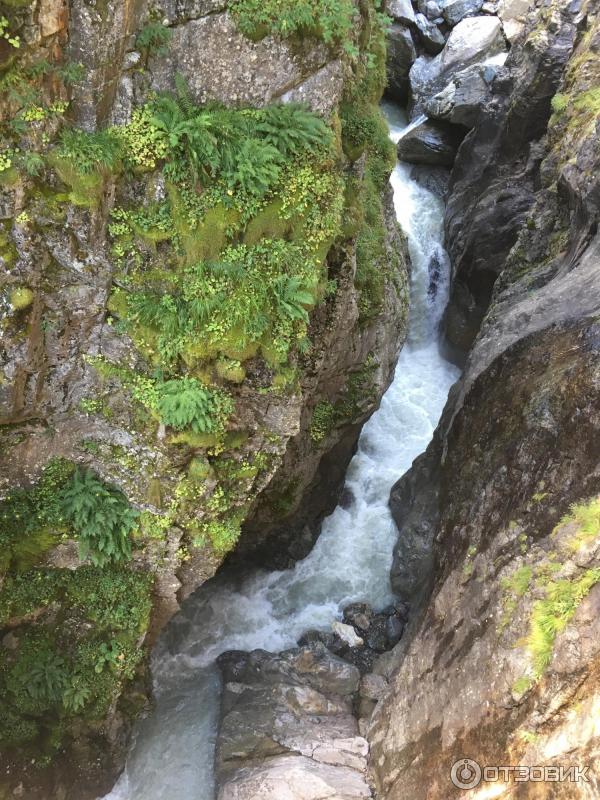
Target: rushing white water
[[406, 129], [173, 751]]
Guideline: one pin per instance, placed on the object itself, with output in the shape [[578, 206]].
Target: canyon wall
[[82, 233], [499, 520]]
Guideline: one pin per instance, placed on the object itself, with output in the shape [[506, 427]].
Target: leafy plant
[[154, 38], [102, 518], [185, 403], [48, 678], [330, 20]]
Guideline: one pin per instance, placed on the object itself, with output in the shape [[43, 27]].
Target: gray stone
[[236, 71], [474, 39], [401, 57], [401, 11], [454, 11], [462, 99], [347, 634], [433, 10], [372, 686], [432, 143], [431, 37]]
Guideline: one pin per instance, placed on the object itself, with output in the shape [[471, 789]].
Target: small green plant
[[153, 39], [587, 517], [551, 615], [102, 518], [559, 103], [329, 20], [89, 152], [185, 403], [12, 39]]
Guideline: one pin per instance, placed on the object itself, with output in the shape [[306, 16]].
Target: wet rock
[[436, 179], [401, 11], [359, 615], [431, 143], [430, 35], [433, 10], [347, 498], [331, 641], [461, 100], [376, 637], [394, 628], [454, 11], [474, 39], [287, 728], [347, 634], [401, 57]]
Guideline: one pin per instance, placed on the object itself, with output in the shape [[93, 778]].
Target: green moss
[[32, 520], [21, 298], [230, 370], [268, 224], [323, 421]]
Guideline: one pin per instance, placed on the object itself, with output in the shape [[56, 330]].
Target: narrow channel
[[173, 750]]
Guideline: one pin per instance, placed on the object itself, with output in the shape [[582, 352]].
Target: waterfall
[[173, 749], [400, 134]]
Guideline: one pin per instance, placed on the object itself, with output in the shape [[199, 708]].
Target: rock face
[[493, 182], [502, 666], [66, 359], [287, 729], [461, 101]]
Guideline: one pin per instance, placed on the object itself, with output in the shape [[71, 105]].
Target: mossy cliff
[[498, 551], [203, 296]]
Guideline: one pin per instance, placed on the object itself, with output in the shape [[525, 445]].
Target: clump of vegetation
[[101, 517], [329, 20], [76, 663], [21, 297], [551, 615], [153, 39], [587, 517], [185, 403]]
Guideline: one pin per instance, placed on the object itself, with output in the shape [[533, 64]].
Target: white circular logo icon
[[465, 773]]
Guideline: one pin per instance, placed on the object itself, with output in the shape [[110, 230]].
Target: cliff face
[[499, 526], [191, 435]]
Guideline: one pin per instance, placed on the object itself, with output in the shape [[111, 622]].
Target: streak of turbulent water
[[173, 751]]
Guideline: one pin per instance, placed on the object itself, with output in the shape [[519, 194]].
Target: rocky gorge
[[192, 342]]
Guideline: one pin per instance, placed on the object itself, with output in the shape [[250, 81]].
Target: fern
[[185, 403], [47, 679], [257, 168], [102, 518], [291, 298], [292, 128]]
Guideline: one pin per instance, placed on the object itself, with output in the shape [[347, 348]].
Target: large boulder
[[473, 40], [461, 100], [433, 143], [454, 11], [401, 11], [431, 37], [287, 728], [401, 57]]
